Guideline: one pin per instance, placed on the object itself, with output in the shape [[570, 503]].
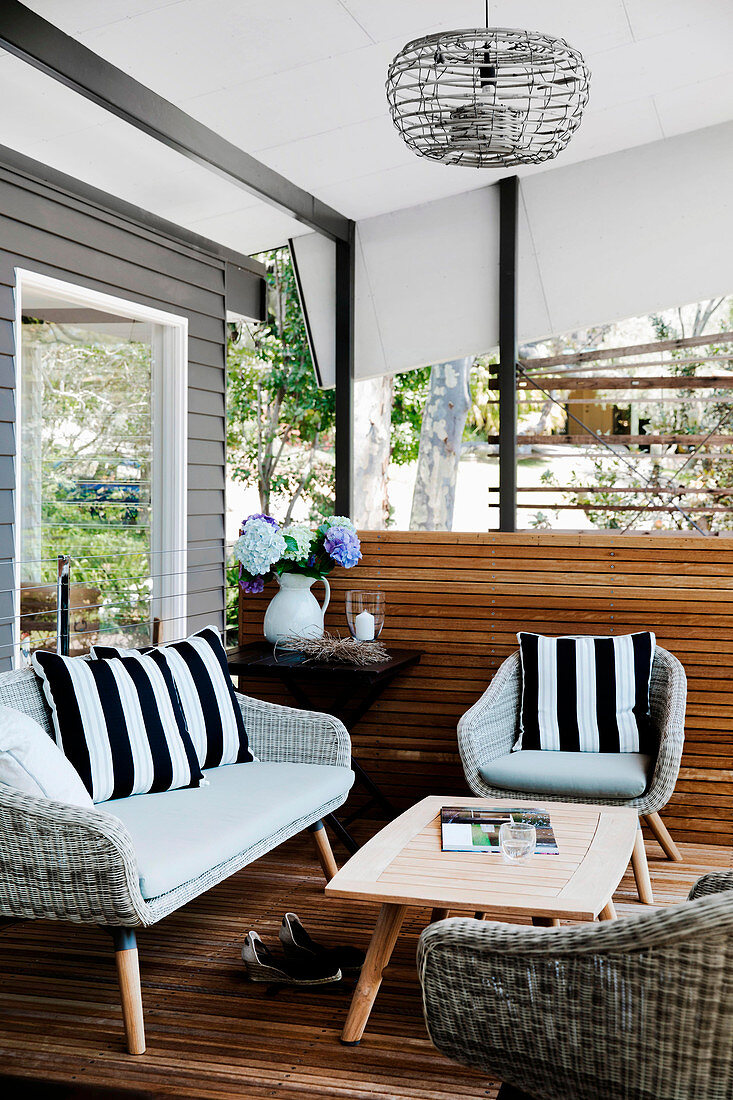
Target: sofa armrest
[[668, 700], [62, 862], [297, 736], [574, 1011], [489, 728]]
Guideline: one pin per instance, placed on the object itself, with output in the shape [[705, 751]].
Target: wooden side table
[[352, 689]]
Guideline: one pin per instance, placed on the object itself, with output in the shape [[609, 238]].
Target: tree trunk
[[372, 428], [441, 434]]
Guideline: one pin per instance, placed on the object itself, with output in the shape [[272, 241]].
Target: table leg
[[439, 914], [640, 868], [608, 912], [382, 942]]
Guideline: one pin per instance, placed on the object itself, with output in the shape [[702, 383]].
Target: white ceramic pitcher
[[294, 609]]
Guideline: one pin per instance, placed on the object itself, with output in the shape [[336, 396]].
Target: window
[[102, 460]]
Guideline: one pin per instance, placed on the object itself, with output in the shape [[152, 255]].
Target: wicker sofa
[[635, 1009], [130, 862], [487, 732]]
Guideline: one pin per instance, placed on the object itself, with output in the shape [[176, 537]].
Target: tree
[[280, 424], [441, 439], [373, 400]]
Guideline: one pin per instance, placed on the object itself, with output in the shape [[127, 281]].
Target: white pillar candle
[[364, 626]]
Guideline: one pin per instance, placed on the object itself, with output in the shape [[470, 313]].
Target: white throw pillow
[[32, 763]]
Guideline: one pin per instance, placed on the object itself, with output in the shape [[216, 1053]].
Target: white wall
[[614, 237]]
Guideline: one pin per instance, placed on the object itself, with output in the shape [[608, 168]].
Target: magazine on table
[[471, 829]]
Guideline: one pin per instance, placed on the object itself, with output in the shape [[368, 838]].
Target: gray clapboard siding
[[59, 251], [206, 353], [205, 502], [7, 439], [201, 426], [204, 325], [7, 473], [200, 377], [209, 402], [7, 347], [45, 227], [7, 371], [28, 211]]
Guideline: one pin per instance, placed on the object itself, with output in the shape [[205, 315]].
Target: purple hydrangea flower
[[343, 546], [257, 515], [254, 586]]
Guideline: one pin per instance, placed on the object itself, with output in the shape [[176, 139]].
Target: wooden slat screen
[[461, 598]]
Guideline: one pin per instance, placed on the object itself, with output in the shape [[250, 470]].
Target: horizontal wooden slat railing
[[461, 598]]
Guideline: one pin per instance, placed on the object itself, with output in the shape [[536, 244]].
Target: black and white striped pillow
[[119, 723], [585, 694], [214, 720]]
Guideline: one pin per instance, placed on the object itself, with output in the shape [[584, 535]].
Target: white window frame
[[169, 394]]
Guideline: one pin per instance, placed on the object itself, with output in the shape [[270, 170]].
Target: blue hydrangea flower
[[303, 537], [343, 546], [260, 545]]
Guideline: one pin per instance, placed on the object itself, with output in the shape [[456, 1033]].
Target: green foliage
[[483, 417], [87, 466], [280, 424], [409, 395]]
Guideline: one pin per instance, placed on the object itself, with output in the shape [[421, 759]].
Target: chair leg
[[128, 977], [323, 849], [640, 868], [661, 832]]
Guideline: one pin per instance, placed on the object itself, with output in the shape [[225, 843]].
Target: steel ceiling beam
[[41, 44]]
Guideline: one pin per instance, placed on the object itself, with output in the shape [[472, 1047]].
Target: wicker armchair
[[64, 863], [491, 727], [635, 1009]]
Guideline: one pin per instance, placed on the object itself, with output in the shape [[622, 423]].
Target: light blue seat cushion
[[178, 835], [573, 774]]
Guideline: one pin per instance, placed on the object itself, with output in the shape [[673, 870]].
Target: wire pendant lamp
[[488, 97]]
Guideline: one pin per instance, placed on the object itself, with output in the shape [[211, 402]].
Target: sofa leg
[[641, 869], [128, 977], [323, 849], [661, 832], [508, 1092]]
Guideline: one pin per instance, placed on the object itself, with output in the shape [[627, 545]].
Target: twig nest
[[330, 648]]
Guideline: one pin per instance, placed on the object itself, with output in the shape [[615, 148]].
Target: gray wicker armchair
[[61, 862], [491, 727], [635, 1009]]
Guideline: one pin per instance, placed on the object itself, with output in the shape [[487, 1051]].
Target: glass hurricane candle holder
[[365, 614]]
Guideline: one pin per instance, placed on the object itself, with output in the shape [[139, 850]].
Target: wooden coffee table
[[403, 865]]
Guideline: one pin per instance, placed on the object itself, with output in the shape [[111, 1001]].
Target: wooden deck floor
[[210, 1033]]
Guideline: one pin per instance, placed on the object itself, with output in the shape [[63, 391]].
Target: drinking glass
[[517, 840], [365, 614]]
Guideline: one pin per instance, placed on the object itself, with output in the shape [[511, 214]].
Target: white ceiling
[[300, 85]]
